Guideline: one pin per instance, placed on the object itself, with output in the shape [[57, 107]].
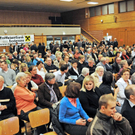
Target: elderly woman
[[41, 70], [97, 75], [25, 100], [88, 96], [23, 67], [35, 77], [122, 83], [71, 112]]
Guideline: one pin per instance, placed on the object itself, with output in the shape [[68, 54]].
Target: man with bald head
[[7, 101]]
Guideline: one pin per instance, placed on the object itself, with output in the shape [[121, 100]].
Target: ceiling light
[[92, 2], [66, 0]]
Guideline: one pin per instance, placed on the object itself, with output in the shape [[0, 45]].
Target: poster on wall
[[6, 40]]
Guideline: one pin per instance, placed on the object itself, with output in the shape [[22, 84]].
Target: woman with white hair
[[97, 75], [88, 96], [25, 100]]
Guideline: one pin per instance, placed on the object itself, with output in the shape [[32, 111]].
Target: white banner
[[6, 40]]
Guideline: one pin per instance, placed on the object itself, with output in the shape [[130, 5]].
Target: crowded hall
[[67, 67]]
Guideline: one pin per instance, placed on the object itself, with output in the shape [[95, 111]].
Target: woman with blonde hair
[[23, 67], [88, 96]]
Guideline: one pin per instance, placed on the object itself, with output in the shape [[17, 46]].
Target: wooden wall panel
[[25, 17]]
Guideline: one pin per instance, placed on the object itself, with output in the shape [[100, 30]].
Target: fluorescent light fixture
[[64, 33], [92, 2], [66, 0]]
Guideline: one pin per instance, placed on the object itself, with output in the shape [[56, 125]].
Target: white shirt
[[76, 71], [41, 73], [59, 77], [122, 85], [133, 53]]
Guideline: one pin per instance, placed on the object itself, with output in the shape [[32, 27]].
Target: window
[[104, 10], [98, 11], [92, 12], [126, 6], [111, 8]]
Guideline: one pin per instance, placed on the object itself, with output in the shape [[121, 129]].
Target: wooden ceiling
[[48, 5]]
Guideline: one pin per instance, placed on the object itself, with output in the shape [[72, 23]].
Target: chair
[[62, 90], [40, 117], [10, 126], [115, 76], [9, 87]]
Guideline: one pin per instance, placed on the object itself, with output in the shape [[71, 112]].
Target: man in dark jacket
[[107, 121], [128, 108], [116, 65]]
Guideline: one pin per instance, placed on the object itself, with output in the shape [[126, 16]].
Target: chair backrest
[[10, 126], [39, 117], [62, 90]]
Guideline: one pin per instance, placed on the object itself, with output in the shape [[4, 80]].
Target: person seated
[[77, 54], [102, 63], [66, 59], [122, 83], [8, 74], [60, 75], [107, 65], [74, 70], [84, 73], [15, 55], [91, 66], [25, 100], [35, 77], [71, 114], [128, 109], [49, 66], [7, 101], [88, 54], [111, 54], [48, 92], [116, 65], [57, 60], [105, 87], [97, 75], [88, 96], [99, 58], [23, 67], [29, 61], [81, 63], [107, 120], [94, 55], [130, 67], [124, 56], [124, 65], [36, 59], [40, 69]]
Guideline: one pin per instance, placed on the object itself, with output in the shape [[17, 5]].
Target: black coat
[[80, 79], [72, 72], [129, 114], [41, 49], [108, 67], [115, 67]]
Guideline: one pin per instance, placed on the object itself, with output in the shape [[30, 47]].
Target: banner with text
[[6, 40]]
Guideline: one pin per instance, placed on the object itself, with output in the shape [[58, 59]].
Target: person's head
[[130, 92], [107, 78], [107, 60], [90, 62], [118, 60], [33, 70], [130, 62], [28, 77], [123, 52], [23, 67], [85, 71], [133, 78], [1, 81], [58, 57], [66, 59], [50, 78], [64, 68], [81, 58], [100, 56], [124, 64], [89, 50], [103, 60], [4, 65], [40, 64], [3, 57], [73, 90], [88, 83], [28, 59], [74, 63], [49, 61], [125, 74], [21, 79], [99, 70], [76, 51], [107, 104], [40, 55]]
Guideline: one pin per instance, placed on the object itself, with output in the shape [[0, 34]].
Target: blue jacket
[[69, 114]]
